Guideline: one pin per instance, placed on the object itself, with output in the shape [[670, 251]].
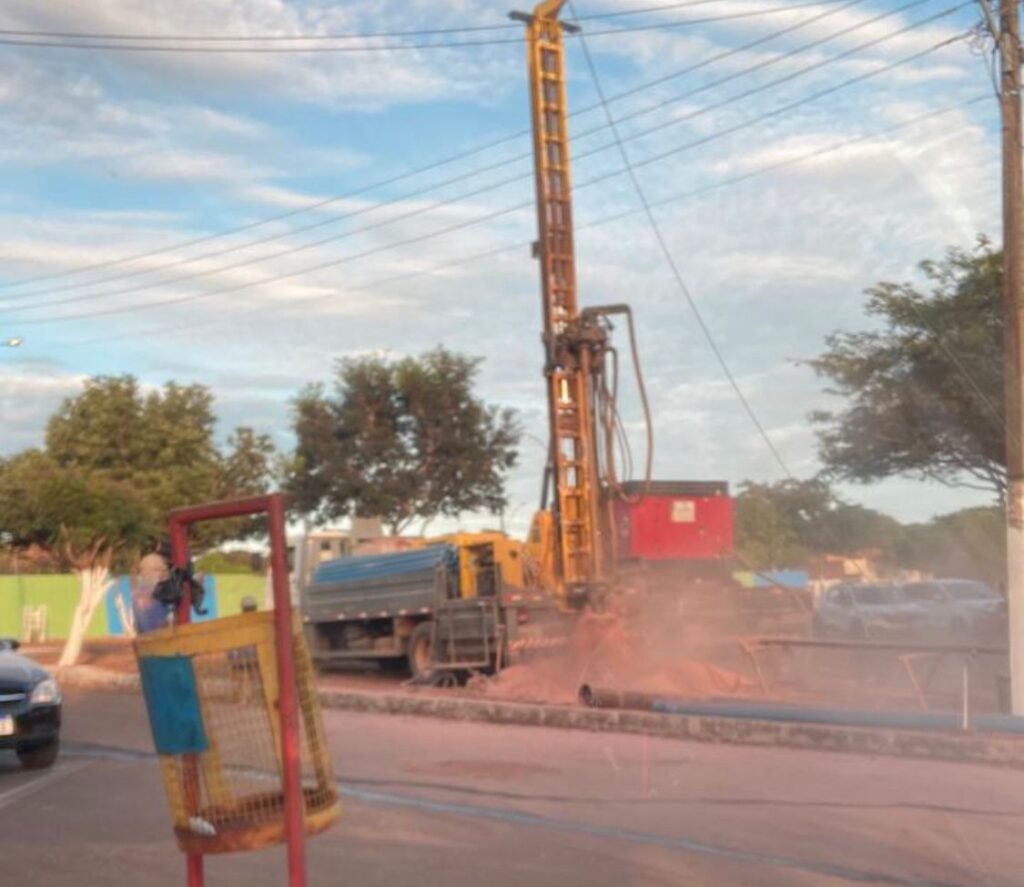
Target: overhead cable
[[46, 43], [486, 146], [490, 215], [418, 32], [730, 181], [476, 192]]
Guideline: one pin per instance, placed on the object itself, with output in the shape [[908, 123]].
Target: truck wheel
[[39, 757], [419, 649]]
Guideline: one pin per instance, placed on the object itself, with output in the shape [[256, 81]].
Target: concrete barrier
[[982, 748], [972, 747]]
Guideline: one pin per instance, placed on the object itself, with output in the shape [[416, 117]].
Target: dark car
[[958, 609], [30, 704], [862, 611]]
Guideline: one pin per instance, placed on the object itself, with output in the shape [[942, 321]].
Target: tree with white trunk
[[93, 569], [116, 459]]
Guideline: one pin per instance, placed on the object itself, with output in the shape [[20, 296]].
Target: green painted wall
[[230, 588], [58, 592]]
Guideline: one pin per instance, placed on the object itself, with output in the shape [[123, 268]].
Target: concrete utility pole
[[1008, 40]]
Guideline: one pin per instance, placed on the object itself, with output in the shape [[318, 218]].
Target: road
[[430, 802]]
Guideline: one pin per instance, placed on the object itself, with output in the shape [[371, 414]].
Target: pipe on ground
[[602, 697]]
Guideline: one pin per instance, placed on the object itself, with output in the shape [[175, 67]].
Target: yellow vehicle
[[448, 604]]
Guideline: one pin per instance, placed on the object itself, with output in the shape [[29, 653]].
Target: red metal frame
[[179, 520]]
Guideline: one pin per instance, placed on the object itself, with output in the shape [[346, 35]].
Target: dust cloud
[[707, 642], [681, 641]]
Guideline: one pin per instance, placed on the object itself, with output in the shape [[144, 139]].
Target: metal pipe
[[293, 794], [965, 723], [755, 710], [178, 531], [192, 514]]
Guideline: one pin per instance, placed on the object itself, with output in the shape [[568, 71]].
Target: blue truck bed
[[377, 586]]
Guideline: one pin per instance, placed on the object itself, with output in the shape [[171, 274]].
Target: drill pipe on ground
[[601, 697]]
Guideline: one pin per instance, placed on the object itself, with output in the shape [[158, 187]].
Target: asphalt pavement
[[431, 802]]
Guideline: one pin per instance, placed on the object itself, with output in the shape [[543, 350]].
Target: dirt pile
[[641, 651]]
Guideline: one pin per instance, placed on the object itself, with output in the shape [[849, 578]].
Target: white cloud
[[189, 166], [30, 391], [366, 80], [774, 263]]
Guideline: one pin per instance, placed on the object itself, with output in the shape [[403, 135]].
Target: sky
[[244, 219]]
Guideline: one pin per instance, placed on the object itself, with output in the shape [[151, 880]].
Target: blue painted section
[[840, 717], [379, 566], [172, 701], [209, 602], [123, 589], [783, 578]]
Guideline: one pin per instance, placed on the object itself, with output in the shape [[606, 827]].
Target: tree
[[970, 543], [116, 460], [87, 521], [401, 440], [782, 524], [925, 392]]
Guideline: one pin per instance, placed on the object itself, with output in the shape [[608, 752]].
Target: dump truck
[[455, 603]]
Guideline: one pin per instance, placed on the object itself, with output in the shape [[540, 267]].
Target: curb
[[990, 748], [91, 677], [1000, 750]]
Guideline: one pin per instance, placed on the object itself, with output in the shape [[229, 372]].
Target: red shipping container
[[676, 520]]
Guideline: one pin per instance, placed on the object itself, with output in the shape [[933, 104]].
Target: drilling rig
[[572, 535], [588, 537], [463, 602]]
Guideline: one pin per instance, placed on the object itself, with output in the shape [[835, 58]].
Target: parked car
[[862, 610], [956, 609], [30, 709]]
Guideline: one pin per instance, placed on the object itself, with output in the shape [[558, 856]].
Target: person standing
[[149, 613]]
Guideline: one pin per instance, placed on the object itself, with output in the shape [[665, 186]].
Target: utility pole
[[1007, 37]]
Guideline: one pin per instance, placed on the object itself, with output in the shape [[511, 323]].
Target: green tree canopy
[[118, 458], [68, 512], [924, 392], [401, 439], [782, 524], [970, 543]]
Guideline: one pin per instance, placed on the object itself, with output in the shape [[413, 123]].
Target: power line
[[691, 302], [785, 56], [723, 55], [489, 216], [251, 50], [435, 186], [793, 75], [419, 32], [127, 309], [289, 251], [782, 109], [676, 273], [604, 220], [411, 173], [310, 207], [502, 183], [260, 50], [642, 11]]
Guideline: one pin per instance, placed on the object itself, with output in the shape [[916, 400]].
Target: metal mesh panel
[[231, 796], [317, 773]]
